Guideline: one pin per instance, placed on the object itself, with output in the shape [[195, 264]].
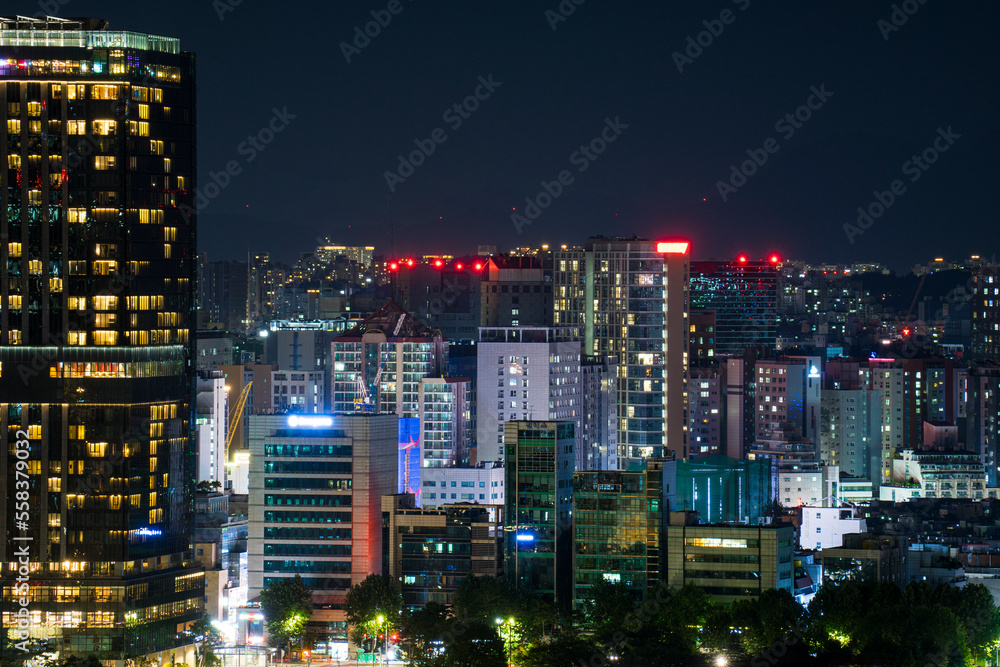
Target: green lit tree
[[373, 606], [287, 606]]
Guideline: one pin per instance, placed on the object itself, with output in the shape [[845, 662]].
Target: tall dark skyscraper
[[97, 293], [744, 295]]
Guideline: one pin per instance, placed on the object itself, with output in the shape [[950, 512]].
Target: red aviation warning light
[[393, 266], [479, 266], [673, 247], [906, 332], [409, 262], [438, 263], [458, 267], [775, 259], [742, 259]]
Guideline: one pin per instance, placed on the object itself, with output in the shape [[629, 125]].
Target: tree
[[770, 622], [478, 646], [208, 640], [609, 603], [486, 598], [287, 606], [565, 650], [376, 595], [421, 628]]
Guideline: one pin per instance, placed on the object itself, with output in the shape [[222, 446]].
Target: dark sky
[[324, 174]]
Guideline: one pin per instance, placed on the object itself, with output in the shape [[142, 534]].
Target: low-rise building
[[482, 484], [432, 550], [729, 562], [866, 557], [937, 474], [825, 527], [935, 564]]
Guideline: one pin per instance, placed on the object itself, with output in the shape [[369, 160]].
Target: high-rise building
[[707, 410], [399, 345], [537, 371], [260, 291], [211, 427], [720, 489], [629, 297], [538, 537], [516, 291], [447, 431], [788, 392], [982, 433], [98, 286], [850, 431], [316, 484], [618, 524], [744, 295], [986, 313], [598, 447]]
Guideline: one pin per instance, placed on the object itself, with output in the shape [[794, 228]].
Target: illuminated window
[[77, 268], [34, 127], [34, 108], [138, 128], [14, 249], [76, 127], [13, 126], [55, 285], [35, 197], [158, 95], [156, 147], [166, 165], [14, 337], [104, 127], [35, 267], [76, 214], [13, 161], [144, 111], [77, 337], [104, 162], [105, 302], [104, 92]]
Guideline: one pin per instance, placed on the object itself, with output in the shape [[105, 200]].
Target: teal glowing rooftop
[[20, 31]]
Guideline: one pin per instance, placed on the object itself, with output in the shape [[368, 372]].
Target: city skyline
[[324, 173]]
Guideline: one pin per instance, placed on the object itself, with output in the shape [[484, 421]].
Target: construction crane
[[366, 401], [235, 414]]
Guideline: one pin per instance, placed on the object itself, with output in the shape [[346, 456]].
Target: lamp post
[[381, 621], [510, 634]]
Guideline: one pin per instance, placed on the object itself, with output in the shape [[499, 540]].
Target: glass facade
[[722, 489], [96, 309], [617, 529], [538, 516], [744, 296]]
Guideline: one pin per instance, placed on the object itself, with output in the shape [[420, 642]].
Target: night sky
[[891, 88]]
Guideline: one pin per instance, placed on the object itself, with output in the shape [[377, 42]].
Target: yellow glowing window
[[105, 320], [114, 502], [55, 285], [77, 303], [13, 337], [104, 92], [181, 183], [166, 165], [138, 128], [96, 448], [169, 233], [34, 108], [13, 161], [34, 432], [103, 162], [35, 126], [14, 301], [55, 127], [77, 337], [14, 249], [77, 268], [105, 337], [55, 484], [140, 94], [77, 431], [56, 91], [152, 499], [56, 180], [76, 214], [76, 127], [105, 267], [156, 147], [104, 127], [35, 267], [35, 197], [166, 251], [105, 302], [158, 95], [144, 111]]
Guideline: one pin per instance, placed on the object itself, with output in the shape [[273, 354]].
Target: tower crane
[[235, 415], [366, 401]]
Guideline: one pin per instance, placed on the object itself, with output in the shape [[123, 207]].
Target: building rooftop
[[87, 33]]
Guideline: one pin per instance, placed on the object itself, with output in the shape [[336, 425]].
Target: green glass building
[[721, 489], [618, 521]]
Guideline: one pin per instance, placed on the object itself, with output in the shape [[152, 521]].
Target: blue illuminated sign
[[813, 372], [309, 421], [149, 532], [525, 537]]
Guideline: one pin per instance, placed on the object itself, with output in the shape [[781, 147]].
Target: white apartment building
[[537, 377], [825, 527]]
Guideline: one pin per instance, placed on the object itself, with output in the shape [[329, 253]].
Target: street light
[[510, 634], [381, 620]]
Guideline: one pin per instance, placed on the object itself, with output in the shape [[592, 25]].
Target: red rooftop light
[[742, 259], [438, 263], [393, 266], [775, 259], [673, 247], [458, 266], [479, 267], [409, 262]]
